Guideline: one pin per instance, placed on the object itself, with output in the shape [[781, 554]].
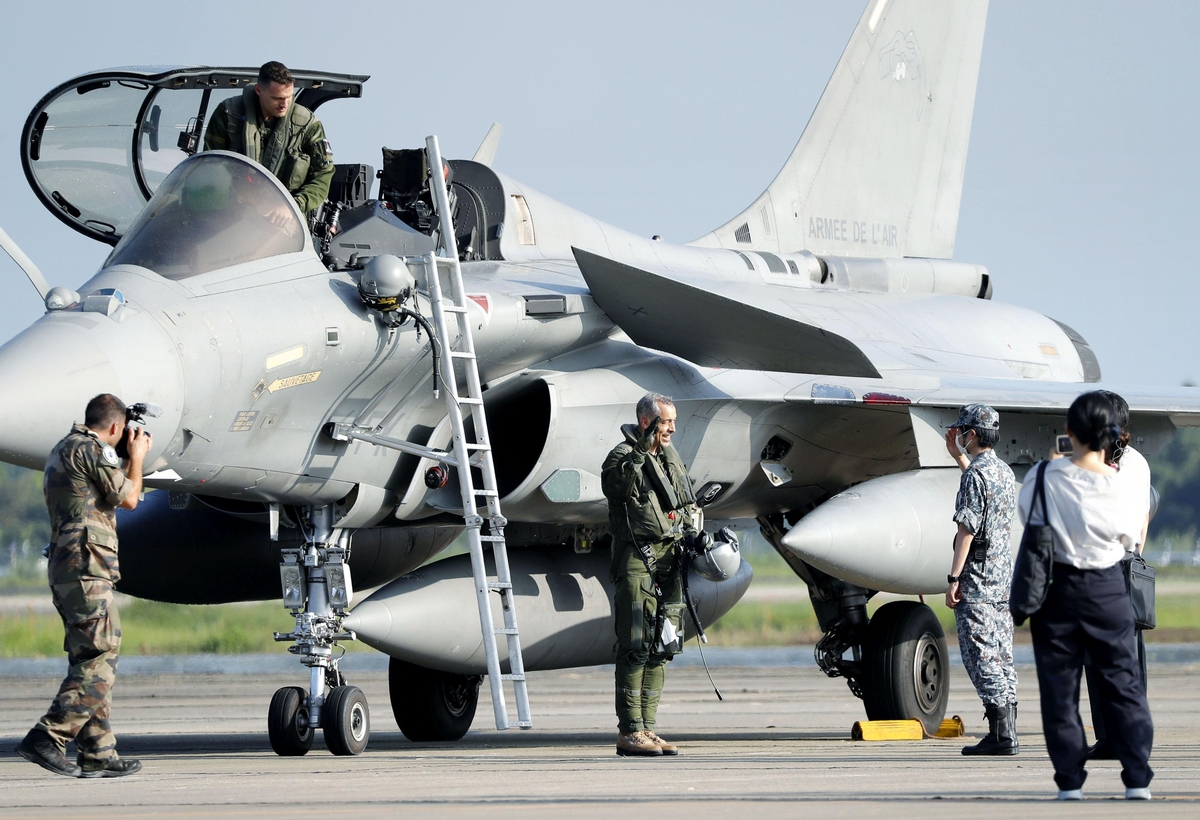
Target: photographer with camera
[[84, 484], [651, 509], [1095, 515]]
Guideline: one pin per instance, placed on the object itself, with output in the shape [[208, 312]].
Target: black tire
[[430, 705], [346, 721], [907, 666], [288, 724]]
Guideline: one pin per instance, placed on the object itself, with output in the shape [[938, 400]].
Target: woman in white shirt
[[1132, 467], [1096, 515]]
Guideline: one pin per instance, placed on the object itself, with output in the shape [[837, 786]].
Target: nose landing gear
[[317, 589]]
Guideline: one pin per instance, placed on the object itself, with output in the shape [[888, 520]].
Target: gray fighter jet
[[815, 345]]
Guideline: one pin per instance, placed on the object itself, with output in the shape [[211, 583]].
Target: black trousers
[[1093, 684], [1088, 610]]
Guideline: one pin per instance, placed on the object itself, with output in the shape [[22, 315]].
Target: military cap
[[978, 416]]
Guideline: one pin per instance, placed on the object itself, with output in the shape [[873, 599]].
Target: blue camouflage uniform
[[986, 503]]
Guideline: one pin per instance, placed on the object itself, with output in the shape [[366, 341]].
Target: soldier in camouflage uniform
[[981, 573], [84, 484], [287, 139], [651, 507]]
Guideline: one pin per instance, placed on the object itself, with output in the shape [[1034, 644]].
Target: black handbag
[[1139, 578], [1033, 570]]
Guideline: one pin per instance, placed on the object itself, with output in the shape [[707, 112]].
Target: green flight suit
[[83, 485], [292, 147], [650, 498]]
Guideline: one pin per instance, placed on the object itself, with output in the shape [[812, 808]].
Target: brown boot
[[667, 748], [637, 744]]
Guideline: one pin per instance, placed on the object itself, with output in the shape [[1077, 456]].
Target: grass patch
[[153, 628], [791, 623]]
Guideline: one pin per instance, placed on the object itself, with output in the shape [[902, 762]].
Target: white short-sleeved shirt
[[1136, 470], [1096, 518]]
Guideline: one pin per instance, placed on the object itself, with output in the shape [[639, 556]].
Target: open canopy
[[97, 147]]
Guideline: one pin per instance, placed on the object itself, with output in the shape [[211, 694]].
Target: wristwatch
[[951, 579]]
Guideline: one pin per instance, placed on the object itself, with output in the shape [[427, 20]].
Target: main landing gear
[[896, 661], [317, 589], [430, 705]]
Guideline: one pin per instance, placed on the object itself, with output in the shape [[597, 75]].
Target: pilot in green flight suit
[[651, 508], [288, 139]]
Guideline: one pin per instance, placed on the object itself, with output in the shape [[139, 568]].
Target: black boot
[[37, 747], [1012, 728], [1000, 739]]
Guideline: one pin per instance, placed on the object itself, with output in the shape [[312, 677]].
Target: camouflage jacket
[[986, 503], [84, 484], [293, 147], [652, 494]]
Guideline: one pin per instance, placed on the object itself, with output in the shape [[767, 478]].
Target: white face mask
[[961, 444]]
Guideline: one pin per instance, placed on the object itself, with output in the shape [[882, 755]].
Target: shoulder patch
[[110, 455]]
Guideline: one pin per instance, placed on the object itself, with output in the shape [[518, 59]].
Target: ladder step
[[512, 677], [453, 309], [499, 585], [456, 354], [487, 493], [522, 724], [502, 630], [493, 538], [469, 400], [478, 446]]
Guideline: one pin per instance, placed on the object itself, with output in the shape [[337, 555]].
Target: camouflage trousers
[[641, 660], [985, 639], [93, 637]]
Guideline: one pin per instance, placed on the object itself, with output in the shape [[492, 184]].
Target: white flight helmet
[[718, 559]]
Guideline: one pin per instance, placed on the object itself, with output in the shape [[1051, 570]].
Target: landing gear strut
[[895, 661], [317, 589]]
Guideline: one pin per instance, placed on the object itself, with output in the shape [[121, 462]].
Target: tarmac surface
[[779, 745]]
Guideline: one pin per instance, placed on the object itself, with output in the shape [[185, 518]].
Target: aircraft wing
[[711, 330]]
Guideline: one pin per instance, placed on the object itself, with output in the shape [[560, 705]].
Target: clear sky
[[1082, 192]]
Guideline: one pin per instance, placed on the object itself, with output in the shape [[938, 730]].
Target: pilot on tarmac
[[287, 139], [84, 484], [651, 508], [981, 573]]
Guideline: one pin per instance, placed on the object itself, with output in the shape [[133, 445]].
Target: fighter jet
[[815, 345]]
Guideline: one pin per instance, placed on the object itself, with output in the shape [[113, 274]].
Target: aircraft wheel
[[907, 666], [288, 724], [430, 705], [346, 721]]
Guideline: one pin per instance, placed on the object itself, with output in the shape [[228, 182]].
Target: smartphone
[[1062, 445]]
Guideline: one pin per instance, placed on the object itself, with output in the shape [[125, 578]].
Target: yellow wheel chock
[[904, 729]]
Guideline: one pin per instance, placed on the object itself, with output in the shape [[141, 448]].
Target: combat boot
[[1000, 739], [37, 747], [636, 744], [1012, 724], [667, 748], [117, 767]]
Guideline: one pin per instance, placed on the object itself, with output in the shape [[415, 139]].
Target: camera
[[136, 414], [1063, 446]]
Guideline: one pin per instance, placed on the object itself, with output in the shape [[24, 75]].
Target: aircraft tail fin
[[878, 171], [486, 153]]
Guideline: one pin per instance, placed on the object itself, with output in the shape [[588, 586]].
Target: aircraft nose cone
[[50, 371], [370, 620]]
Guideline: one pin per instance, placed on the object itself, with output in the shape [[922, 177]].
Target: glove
[[649, 436]]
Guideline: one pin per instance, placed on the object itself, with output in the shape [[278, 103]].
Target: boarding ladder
[[452, 326]]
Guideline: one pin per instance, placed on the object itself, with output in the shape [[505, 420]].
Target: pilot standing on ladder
[[287, 139], [651, 508]]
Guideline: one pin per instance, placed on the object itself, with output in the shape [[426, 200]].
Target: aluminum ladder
[[453, 329]]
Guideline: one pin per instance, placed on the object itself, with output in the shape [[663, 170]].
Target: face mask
[[961, 444]]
